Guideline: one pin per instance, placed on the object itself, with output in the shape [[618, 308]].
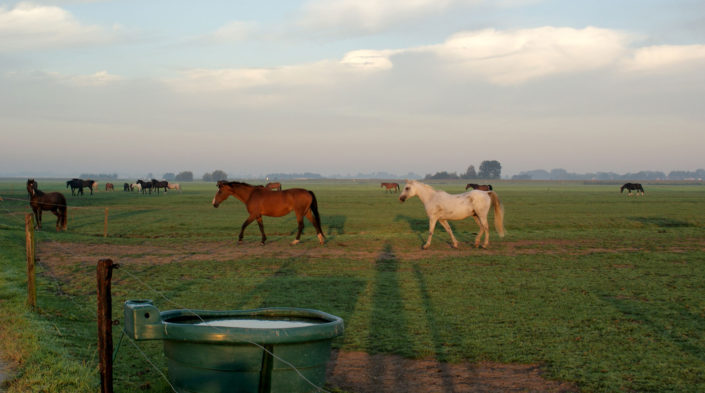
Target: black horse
[[77, 185], [126, 187], [53, 201], [632, 187], [156, 184], [146, 186]]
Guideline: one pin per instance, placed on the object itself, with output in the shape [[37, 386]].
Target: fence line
[[167, 299]]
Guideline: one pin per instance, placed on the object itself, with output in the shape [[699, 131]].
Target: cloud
[[232, 32], [369, 15], [665, 57], [516, 56], [28, 27], [495, 57]]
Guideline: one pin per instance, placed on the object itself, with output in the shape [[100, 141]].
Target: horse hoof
[[424, 247], [295, 242]]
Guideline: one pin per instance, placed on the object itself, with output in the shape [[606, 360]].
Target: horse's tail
[[498, 213], [316, 216]]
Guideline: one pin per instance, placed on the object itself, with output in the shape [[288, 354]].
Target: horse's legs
[[244, 225], [38, 217], [484, 227], [300, 222], [319, 231], [446, 226], [431, 227], [261, 229], [57, 213], [479, 233]]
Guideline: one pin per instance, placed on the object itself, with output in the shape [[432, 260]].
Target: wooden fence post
[[29, 245], [105, 324], [105, 225]]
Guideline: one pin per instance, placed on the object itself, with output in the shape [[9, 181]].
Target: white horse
[[441, 207], [174, 186], [136, 186]]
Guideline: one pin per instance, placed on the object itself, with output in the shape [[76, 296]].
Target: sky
[[341, 87]]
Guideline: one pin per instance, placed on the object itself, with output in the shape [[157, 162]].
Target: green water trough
[[266, 350]]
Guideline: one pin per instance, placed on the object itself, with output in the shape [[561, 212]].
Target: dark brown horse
[[481, 187], [390, 187], [274, 186], [632, 187], [109, 187], [263, 202], [53, 201]]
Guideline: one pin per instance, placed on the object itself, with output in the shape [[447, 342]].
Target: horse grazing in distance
[[145, 186], [53, 201], [274, 186], [174, 186], [135, 186], [481, 187], [441, 207], [391, 187], [632, 187], [157, 185], [126, 187], [109, 187], [76, 186], [263, 202]]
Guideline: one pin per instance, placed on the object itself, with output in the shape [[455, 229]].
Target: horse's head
[[409, 190], [31, 186], [222, 194]]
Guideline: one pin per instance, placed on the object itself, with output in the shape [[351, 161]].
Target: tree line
[[562, 174], [489, 169]]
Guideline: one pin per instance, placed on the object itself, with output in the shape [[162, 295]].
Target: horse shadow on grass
[[686, 334], [286, 287], [332, 226], [662, 222], [389, 327]]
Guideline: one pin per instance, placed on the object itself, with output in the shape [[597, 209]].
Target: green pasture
[[601, 290]]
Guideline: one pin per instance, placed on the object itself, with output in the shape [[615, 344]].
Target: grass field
[[600, 289]]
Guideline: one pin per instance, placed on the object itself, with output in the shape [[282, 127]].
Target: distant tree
[[168, 176], [184, 176], [470, 173], [490, 170], [442, 175], [106, 176], [522, 176], [219, 175], [215, 176]]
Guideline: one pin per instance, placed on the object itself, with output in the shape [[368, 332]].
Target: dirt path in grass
[[359, 372]]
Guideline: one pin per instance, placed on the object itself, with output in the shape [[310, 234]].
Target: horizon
[[564, 175], [340, 87]]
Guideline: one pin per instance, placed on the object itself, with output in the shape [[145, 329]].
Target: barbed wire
[[160, 294]]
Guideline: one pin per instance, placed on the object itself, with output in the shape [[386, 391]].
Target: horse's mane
[[237, 183], [424, 185]]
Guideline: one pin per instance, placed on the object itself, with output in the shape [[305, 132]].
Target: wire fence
[[14, 213]]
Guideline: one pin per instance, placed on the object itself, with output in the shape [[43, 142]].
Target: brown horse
[[263, 202], [275, 186], [390, 187], [53, 201], [109, 187], [481, 187]]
